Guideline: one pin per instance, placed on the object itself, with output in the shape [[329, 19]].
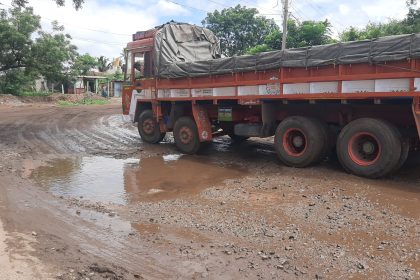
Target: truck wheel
[[369, 147], [149, 129], [300, 141], [186, 135], [405, 149]]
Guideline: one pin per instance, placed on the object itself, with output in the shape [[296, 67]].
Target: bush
[[15, 81]]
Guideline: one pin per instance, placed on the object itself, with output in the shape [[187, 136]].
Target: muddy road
[[81, 197]]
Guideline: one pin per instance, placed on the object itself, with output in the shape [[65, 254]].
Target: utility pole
[[285, 18]]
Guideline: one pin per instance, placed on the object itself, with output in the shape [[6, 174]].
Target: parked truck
[[359, 99]]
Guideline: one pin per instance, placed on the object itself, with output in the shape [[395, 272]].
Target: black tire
[[186, 135], [149, 128], [301, 141], [369, 147], [405, 149], [237, 138]]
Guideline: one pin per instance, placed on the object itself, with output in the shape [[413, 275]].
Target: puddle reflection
[[125, 181]]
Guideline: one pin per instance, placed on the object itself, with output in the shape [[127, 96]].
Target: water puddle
[[124, 181]]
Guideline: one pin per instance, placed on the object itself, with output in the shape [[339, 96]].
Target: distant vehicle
[[360, 99]]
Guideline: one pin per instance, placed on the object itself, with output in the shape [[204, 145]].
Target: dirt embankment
[[12, 100], [82, 198]]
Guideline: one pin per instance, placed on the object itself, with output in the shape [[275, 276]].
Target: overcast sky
[[103, 27]]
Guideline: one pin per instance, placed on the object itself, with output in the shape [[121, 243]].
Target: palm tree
[[103, 64]]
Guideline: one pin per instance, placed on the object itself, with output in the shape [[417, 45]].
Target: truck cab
[[138, 71]]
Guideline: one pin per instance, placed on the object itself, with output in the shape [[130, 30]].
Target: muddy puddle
[[124, 181]]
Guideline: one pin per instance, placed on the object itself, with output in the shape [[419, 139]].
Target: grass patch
[[35, 93], [84, 101]]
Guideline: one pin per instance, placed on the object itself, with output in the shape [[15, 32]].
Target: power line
[[227, 6], [300, 12], [321, 14], [187, 6], [221, 4], [315, 6], [99, 42], [85, 28], [297, 13]]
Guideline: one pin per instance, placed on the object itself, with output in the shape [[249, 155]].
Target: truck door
[[144, 82], [139, 82]]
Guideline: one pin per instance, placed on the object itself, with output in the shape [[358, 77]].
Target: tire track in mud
[[299, 215], [117, 133], [55, 130], [47, 131]]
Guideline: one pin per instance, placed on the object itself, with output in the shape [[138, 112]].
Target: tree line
[[28, 52], [242, 30]]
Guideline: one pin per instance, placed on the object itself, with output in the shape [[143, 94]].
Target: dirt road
[[81, 197]]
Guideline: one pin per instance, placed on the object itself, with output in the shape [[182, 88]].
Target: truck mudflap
[[203, 123], [416, 113]]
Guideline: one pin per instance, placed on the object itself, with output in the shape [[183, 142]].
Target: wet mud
[[82, 197]]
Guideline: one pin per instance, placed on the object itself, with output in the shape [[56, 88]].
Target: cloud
[[104, 27], [344, 9], [118, 19], [169, 8], [343, 13], [378, 11]]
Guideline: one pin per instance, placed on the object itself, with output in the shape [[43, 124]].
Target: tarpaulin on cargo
[[181, 43], [190, 51]]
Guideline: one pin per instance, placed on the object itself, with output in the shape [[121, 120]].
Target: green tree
[[410, 24], [53, 54], [117, 76], [308, 33], [258, 49], [84, 63], [351, 34], [76, 3], [412, 21], [374, 30], [273, 39], [103, 64], [16, 29], [23, 58], [239, 28]]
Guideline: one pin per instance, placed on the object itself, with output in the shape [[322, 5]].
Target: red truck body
[[368, 113]]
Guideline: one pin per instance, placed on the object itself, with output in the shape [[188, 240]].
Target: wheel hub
[[364, 148], [297, 141], [148, 126], [368, 147], [294, 142], [185, 135]]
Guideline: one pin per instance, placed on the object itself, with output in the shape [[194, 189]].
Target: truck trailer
[[360, 100]]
